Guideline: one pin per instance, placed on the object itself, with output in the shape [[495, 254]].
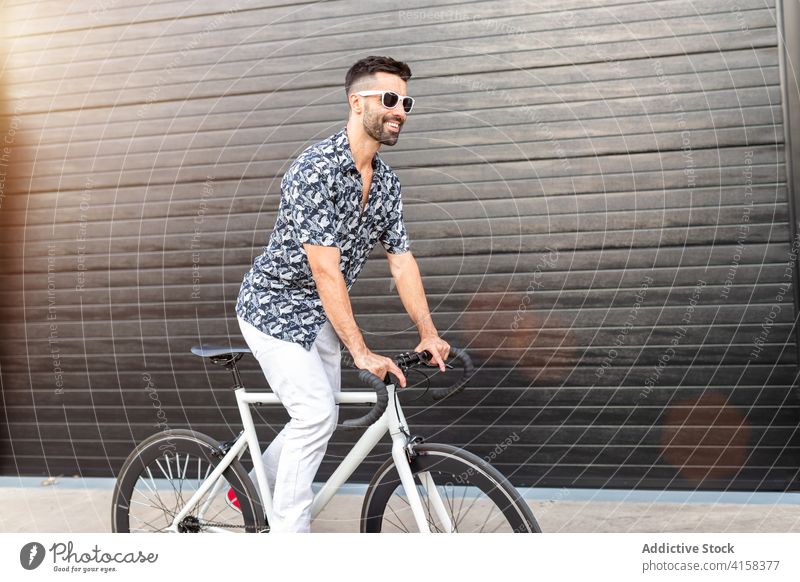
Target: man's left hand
[[438, 348]]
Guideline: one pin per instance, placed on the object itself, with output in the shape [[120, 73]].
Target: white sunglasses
[[390, 99]]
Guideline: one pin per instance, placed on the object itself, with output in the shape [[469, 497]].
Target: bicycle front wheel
[[162, 474], [460, 493]]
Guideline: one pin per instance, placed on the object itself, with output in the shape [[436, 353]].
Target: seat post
[[229, 361], [237, 380]]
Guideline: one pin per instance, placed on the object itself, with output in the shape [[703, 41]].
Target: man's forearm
[[336, 302], [412, 294]]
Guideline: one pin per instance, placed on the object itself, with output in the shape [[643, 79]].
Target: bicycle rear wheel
[[161, 475], [474, 496]]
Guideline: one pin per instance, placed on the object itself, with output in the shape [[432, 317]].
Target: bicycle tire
[[450, 467], [176, 449]]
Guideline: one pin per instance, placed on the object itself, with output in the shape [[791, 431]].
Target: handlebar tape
[[377, 411], [461, 355], [382, 402]]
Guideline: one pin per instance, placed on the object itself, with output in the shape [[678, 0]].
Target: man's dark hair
[[370, 65]]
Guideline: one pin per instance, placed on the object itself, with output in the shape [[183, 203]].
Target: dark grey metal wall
[[596, 194]]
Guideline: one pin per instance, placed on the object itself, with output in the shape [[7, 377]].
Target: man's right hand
[[379, 365]]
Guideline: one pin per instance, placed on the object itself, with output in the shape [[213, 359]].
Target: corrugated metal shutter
[[595, 192]]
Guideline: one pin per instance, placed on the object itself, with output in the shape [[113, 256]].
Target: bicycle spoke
[[183, 473], [485, 521], [155, 486], [169, 478], [178, 489], [222, 509], [463, 499], [403, 499], [471, 505], [428, 513], [484, 503], [399, 518], [421, 496], [169, 466], [167, 517], [453, 513], [150, 524], [134, 530], [499, 523], [155, 492], [147, 505]]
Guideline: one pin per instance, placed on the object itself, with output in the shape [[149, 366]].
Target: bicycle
[[178, 480]]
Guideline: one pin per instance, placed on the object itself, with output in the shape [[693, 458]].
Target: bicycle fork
[[401, 446]]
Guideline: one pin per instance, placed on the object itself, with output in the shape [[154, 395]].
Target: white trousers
[[305, 382]]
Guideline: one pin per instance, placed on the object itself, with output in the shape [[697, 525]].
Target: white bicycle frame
[[392, 421]]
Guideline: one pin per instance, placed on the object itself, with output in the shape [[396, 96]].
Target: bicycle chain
[[212, 524], [227, 525]]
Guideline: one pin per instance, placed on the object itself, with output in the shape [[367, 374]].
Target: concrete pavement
[[84, 505]]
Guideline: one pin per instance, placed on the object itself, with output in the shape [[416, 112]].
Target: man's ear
[[355, 104]]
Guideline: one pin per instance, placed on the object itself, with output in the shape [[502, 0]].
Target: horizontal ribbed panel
[[588, 187]]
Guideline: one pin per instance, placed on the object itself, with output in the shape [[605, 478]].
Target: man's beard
[[375, 126]]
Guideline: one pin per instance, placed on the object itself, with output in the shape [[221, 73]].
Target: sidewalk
[[84, 505]]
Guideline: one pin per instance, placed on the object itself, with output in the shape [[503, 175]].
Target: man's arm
[[324, 262], [405, 272]]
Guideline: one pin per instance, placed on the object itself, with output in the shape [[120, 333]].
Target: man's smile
[[394, 125]]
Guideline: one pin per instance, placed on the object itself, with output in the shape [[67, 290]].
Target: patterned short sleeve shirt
[[321, 204]]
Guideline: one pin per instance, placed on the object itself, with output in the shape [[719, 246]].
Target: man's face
[[376, 118]]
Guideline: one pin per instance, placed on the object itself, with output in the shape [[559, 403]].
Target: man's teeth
[[393, 124]]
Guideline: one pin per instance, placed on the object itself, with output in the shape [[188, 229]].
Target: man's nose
[[398, 110]]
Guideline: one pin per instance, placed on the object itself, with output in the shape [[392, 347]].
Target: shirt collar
[[345, 154]]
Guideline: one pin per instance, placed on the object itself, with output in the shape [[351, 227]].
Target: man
[[338, 199]]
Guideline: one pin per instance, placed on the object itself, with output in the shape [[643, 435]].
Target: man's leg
[[305, 382], [329, 348], [330, 351]]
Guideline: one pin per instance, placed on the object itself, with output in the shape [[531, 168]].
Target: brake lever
[[432, 364], [405, 366]]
